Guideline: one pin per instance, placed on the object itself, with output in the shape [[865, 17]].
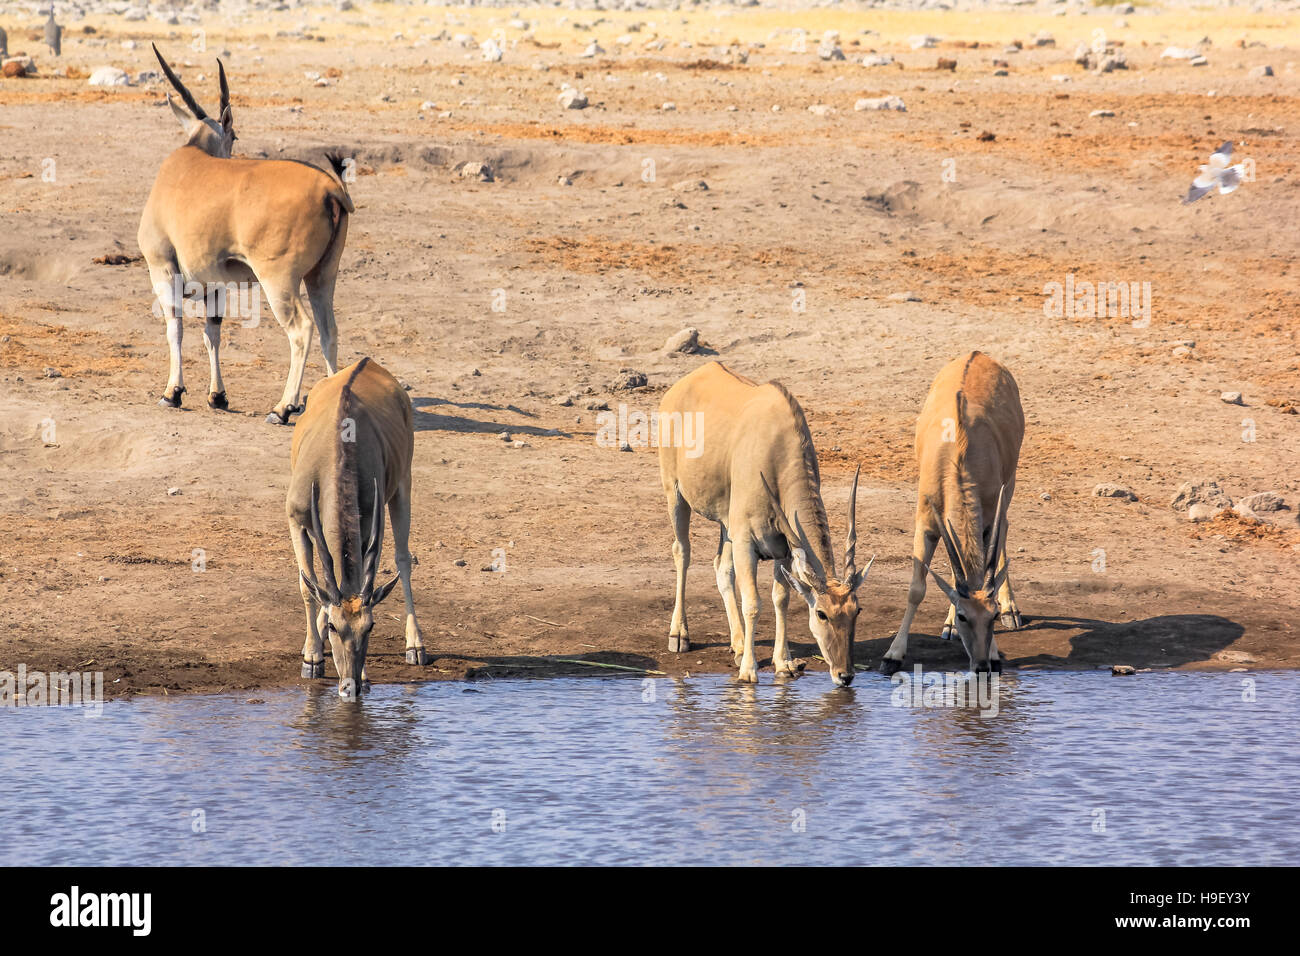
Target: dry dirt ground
[[848, 210]]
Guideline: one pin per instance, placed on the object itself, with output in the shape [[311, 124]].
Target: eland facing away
[[351, 456], [753, 469], [968, 441], [218, 223]]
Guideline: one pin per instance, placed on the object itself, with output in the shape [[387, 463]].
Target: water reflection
[[706, 770]]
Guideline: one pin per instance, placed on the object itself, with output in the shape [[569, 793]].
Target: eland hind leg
[[399, 512], [288, 309], [320, 294], [212, 340], [678, 640], [163, 277], [724, 570]]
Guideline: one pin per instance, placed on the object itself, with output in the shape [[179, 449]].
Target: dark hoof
[[416, 655], [218, 401], [275, 419], [949, 633], [679, 645], [889, 666], [313, 670], [172, 399]]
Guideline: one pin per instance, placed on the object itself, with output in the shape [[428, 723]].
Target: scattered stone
[[1001, 72], [480, 171], [820, 109], [691, 186], [173, 491], [572, 99], [459, 562], [1261, 71], [1202, 490], [669, 107], [946, 64], [1102, 113], [109, 76], [593, 49], [881, 103], [877, 59], [628, 379], [492, 52], [922, 41], [1203, 512], [1122, 670], [1178, 53], [1182, 351], [52, 372], [1108, 489], [905, 297], [1199, 61], [1264, 501], [1232, 398], [687, 341]]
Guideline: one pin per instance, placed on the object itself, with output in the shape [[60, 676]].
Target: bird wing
[[1231, 178]]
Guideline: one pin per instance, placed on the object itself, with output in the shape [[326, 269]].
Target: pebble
[[1232, 398], [881, 103], [109, 76], [1108, 489], [1102, 113], [572, 99], [1122, 670], [1261, 71], [480, 171]]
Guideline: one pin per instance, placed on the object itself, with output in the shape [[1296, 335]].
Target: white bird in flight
[[1217, 173]]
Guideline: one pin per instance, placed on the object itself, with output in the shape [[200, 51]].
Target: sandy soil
[[853, 209]]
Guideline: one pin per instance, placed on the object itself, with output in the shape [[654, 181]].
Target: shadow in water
[[426, 421]]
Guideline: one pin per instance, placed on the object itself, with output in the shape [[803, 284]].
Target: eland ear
[[803, 590], [859, 576], [227, 120], [383, 590], [949, 592], [316, 593], [182, 116]]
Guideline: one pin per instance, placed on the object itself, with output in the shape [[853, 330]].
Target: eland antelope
[[217, 222], [351, 455], [968, 441], [754, 471]]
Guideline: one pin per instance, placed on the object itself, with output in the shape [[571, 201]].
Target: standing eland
[[219, 223], [968, 441], [753, 469], [351, 455]]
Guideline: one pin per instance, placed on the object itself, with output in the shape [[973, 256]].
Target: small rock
[[877, 59], [52, 372], [922, 41], [1181, 351], [687, 340], [1265, 501], [480, 171], [1108, 489], [669, 107], [1203, 512], [459, 562], [629, 379], [173, 491], [1204, 490], [904, 297], [691, 186], [1232, 398], [1261, 71], [880, 103], [1122, 670], [572, 99], [1102, 113], [109, 76]]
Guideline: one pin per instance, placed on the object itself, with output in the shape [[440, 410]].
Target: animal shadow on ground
[[1169, 640], [426, 421]]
